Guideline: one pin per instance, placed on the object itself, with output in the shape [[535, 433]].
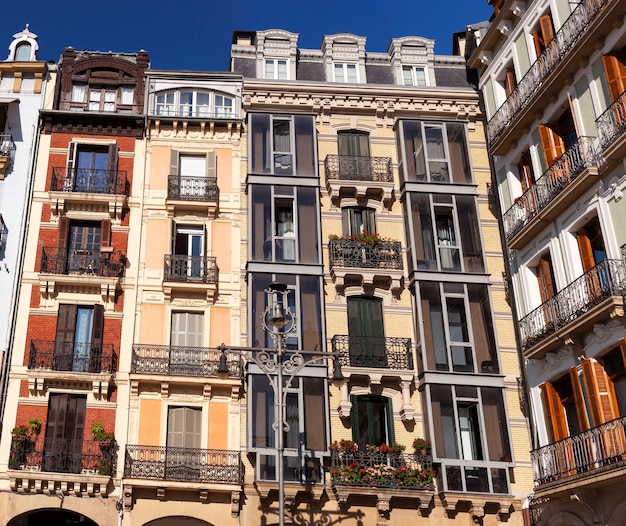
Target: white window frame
[[168, 104], [276, 65], [345, 68], [413, 72]]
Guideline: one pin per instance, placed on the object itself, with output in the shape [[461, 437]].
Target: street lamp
[[280, 368]]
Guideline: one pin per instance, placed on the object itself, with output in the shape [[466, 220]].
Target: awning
[[5, 101]]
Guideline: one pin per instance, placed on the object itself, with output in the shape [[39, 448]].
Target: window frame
[[345, 68], [412, 71], [276, 69], [167, 103]]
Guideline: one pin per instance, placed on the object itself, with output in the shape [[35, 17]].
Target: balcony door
[[367, 333], [189, 247], [186, 340], [81, 245], [354, 155], [592, 254], [372, 421], [63, 442], [78, 343], [192, 175], [92, 168], [183, 459]]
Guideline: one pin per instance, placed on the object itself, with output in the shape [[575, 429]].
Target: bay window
[[193, 104]]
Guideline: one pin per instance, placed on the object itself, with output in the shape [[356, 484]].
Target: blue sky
[[197, 34]]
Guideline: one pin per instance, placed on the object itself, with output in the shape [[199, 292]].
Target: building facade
[[366, 187], [553, 76]]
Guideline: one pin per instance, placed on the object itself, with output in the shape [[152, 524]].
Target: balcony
[[206, 466], [104, 107], [173, 360], [374, 353], [359, 176], [577, 458], [564, 181], [382, 476], [575, 40], [379, 262], [61, 466], [190, 274], [611, 127], [72, 357], [6, 148], [192, 194], [597, 294]]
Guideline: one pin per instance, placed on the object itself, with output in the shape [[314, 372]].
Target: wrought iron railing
[[188, 188], [595, 448], [3, 232], [88, 262], [606, 279], [107, 107], [177, 463], [565, 39], [63, 455], [182, 361], [357, 254], [380, 470], [612, 123], [89, 180], [78, 357], [370, 351], [193, 112], [6, 144], [623, 251], [191, 269], [358, 168], [562, 172]]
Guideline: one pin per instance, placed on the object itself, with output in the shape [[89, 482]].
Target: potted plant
[[344, 446], [422, 446], [99, 434], [35, 426]]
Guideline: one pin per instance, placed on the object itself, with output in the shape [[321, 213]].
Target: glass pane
[[476, 480], [462, 360], [339, 73], [267, 467], [78, 93], [457, 321], [127, 96], [434, 331], [94, 95], [282, 69], [497, 432], [82, 339], [443, 421], [109, 96], [269, 69], [305, 145], [407, 78], [471, 444], [420, 77], [351, 72], [293, 470], [262, 413], [453, 478], [499, 481]]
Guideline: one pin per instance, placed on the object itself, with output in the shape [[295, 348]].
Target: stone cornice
[[386, 102], [29, 68]]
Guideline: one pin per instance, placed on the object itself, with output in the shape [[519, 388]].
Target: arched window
[[22, 52]]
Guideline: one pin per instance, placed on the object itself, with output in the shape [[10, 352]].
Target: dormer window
[[22, 52], [95, 98], [195, 104], [414, 75], [346, 73], [276, 69]]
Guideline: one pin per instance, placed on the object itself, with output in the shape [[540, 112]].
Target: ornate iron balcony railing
[[358, 168], [604, 280], [381, 470], [89, 180], [86, 262], [182, 361], [189, 188], [63, 456], [78, 357], [370, 351], [612, 123], [357, 254], [191, 269], [177, 463], [6, 144], [555, 179], [564, 40], [593, 449]]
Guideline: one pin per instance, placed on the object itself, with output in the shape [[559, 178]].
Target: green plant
[[365, 237], [20, 431], [420, 444], [344, 446], [99, 434], [35, 425], [104, 467], [393, 449]]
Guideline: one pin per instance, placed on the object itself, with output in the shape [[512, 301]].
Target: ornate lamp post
[[280, 368]]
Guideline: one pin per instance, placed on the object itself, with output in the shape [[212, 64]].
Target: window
[[434, 152], [192, 176], [615, 367], [509, 81], [96, 98], [193, 104], [458, 328], [446, 233], [183, 441], [22, 52], [556, 137], [545, 277], [65, 425], [543, 34], [414, 76], [304, 300], [188, 252], [525, 171], [353, 143], [186, 342], [276, 69], [284, 224], [78, 342], [92, 168], [372, 421], [615, 71], [306, 440], [356, 220], [367, 332], [591, 245], [459, 415], [165, 104], [282, 144], [223, 106], [346, 73], [83, 246]]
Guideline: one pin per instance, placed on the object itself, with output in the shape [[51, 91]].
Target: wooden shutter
[[71, 160], [97, 330], [183, 427], [579, 400], [509, 82], [112, 160], [65, 426], [615, 71], [584, 246], [551, 144], [63, 234], [547, 29], [538, 43], [64, 340], [602, 397], [174, 162], [554, 413], [544, 276], [211, 165], [105, 233]]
